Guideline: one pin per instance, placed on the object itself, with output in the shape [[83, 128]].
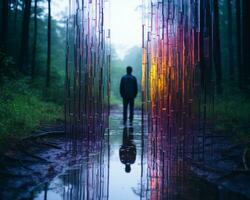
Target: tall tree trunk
[[4, 24], [49, 47], [239, 44], [217, 48], [246, 41], [15, 14], [230, 40], [24, 49], [33, 66]]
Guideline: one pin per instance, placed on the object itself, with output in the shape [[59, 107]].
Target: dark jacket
[[128, 87]]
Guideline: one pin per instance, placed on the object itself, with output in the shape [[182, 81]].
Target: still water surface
[[108, 176]]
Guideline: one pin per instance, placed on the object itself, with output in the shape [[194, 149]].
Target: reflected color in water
[[161, 172], [98, 171]]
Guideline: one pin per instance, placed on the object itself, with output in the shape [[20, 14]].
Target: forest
[[32, 59], [32, 73], [230, 65]]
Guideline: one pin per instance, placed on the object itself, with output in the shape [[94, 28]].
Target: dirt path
[[31, 162]]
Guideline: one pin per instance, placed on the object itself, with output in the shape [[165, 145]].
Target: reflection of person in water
[[127, 151]]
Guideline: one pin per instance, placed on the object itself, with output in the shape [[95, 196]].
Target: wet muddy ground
[[120, 166]]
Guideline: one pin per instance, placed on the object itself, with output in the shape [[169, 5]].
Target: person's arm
[[136, 87], [122, 87]]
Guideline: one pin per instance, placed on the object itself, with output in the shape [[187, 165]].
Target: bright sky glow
[[59, 8], [125, 22]]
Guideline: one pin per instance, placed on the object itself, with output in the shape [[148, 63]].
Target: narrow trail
[[125, 139]]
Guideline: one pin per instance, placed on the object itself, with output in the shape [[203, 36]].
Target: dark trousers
[[127, 102]]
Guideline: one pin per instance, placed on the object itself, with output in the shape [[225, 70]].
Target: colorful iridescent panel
[[173, 91], [87, 69], [87, 98]]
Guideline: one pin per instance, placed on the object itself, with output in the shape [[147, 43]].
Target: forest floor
[[31, 162], [23, 110], [38, 159]]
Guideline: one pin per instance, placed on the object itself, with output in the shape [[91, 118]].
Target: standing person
[[128, 91]]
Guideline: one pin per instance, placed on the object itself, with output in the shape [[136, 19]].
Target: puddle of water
[[126, 162], [113, 173]]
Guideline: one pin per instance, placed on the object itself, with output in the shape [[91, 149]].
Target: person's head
[[127, 168], [129, 69]]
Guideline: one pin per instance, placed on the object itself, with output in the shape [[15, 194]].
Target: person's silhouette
[[127, 150], [128, 91]]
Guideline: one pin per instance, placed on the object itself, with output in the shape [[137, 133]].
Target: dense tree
[[24, 49], [23, 55], [49, 46], [239, 45], [230, 39], [217, 48], [33, 65], [4, 24], [24, 27], [246, 42], [15, 13]]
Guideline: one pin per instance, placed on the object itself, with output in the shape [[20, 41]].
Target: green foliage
[[231, 115], [56, 91], [22, 110], [6, 66], [231, 109], [25, 103]]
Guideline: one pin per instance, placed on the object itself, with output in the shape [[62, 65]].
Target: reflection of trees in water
[[89, 178]]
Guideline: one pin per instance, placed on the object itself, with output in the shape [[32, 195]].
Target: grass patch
[[22, 110], [231, 116]]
